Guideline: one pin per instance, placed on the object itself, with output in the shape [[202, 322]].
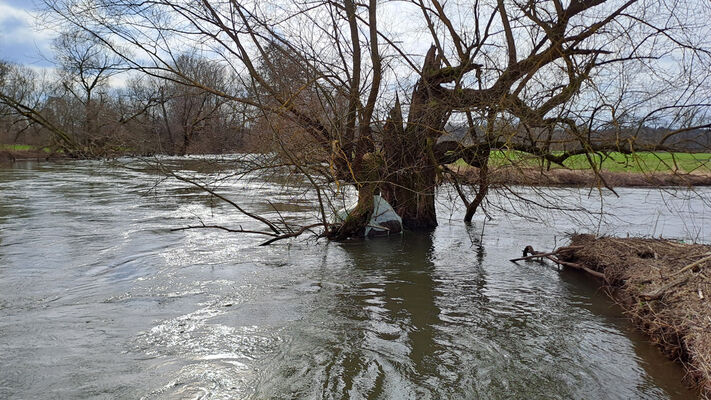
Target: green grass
[[16, 147], [613, 162], [646, 162], [23, 147]]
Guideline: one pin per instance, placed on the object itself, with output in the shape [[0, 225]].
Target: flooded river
[[100, 299]]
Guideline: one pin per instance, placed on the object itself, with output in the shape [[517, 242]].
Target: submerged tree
[[550, 79]]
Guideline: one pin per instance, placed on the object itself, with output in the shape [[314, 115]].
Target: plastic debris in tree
[[384, 220]]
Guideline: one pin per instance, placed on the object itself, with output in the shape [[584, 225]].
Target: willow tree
[[522, 75]]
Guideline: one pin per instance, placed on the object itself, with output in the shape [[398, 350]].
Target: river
[[100, 299]]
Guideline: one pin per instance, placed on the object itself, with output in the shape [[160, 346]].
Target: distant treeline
[[76, 108]]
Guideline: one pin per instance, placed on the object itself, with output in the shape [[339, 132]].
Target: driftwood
[[659, 293], [534, 254], [550, 256], [663, 286], [694, 264]]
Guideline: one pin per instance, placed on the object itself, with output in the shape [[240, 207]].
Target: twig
[[225, 199], [281, 218], [290, 235], [693, 264], [657, 294], [240, 230]]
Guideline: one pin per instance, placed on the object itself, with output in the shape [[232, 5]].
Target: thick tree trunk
[[413, 197], [357, 220], [183, 150], [405, 173], [410, 171], [369, 168]]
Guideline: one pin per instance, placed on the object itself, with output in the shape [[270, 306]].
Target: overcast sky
[[21, 40]]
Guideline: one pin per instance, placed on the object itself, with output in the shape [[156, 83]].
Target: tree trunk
[[483, 189], [187, 135], [482, 160], [358, 218], [411, 168]]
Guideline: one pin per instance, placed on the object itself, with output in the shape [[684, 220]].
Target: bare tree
[[186, 109], [23, 96], [85, 68]]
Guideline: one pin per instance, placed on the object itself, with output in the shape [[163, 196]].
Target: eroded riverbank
[[584, 178], [664, 286]]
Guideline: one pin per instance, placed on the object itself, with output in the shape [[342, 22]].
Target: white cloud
[[21, 38]]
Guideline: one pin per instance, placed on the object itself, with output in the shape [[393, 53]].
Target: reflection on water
[[98, 298]]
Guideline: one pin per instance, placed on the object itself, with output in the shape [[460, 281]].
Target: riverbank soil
[[665, 286], [513, 175], [9, 156]]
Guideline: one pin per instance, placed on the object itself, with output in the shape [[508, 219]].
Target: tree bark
[[410, 171], [483, 190], [358, 218], [185, 143]]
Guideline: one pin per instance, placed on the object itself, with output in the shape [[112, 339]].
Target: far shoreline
[[561, 177], [509, 175]]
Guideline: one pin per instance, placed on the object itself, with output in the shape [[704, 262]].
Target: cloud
[[21, 39]]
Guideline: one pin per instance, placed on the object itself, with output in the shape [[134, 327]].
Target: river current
[[99, 298]]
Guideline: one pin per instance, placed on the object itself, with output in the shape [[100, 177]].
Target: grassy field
[[615, 162], [16, 147], [23, 147]]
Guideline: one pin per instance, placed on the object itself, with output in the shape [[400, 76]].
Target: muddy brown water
[[99, 299]]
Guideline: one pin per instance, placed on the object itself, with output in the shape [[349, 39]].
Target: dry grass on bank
[[568, 177]]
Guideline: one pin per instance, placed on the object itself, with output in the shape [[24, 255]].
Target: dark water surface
[[99, 299]]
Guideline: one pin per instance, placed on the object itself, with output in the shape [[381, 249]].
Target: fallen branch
[[274, 238], [225, 199], [240, 230], [659, 293], [537, 254], [693, 264], [292, 234], [578, 266]]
